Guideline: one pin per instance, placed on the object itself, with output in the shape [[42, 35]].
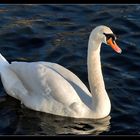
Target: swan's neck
[[101, 102], [95, 76]]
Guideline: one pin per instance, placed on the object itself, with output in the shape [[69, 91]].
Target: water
[[59, 33]]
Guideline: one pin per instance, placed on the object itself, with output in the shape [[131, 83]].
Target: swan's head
[[104, 34]]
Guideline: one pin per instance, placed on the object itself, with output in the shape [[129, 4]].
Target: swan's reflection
[[37, 123], [18, 120], [83, 126]]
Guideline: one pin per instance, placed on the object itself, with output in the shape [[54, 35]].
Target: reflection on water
[[76, 126], [26, 121], [59, 33]]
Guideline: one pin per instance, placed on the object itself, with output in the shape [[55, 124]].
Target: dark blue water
[[59, 33]]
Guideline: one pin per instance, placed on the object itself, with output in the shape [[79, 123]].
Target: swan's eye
[[108, 36]]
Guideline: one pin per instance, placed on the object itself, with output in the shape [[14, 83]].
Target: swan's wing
[[75, 82], [41, 81], [72, 79], [69, 76]]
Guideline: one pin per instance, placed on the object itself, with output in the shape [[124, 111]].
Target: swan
[[51, 88]]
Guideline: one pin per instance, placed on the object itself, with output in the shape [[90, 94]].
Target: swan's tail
[[2, 58], [3, 61]]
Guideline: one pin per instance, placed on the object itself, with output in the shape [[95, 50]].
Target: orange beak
[[114, 45]]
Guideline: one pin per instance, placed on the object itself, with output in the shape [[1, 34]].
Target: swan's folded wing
[[40, 80], [75, 82], [68, 75]]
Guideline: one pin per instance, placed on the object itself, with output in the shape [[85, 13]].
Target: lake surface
[[59, 33]]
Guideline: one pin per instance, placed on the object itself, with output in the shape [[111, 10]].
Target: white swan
[[51, 88]]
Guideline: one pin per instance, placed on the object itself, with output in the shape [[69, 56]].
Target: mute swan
[[51, 88]]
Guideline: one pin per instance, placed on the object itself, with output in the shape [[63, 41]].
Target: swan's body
[[51, 88]]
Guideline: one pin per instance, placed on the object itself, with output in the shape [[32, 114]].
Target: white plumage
[[51, 88]]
